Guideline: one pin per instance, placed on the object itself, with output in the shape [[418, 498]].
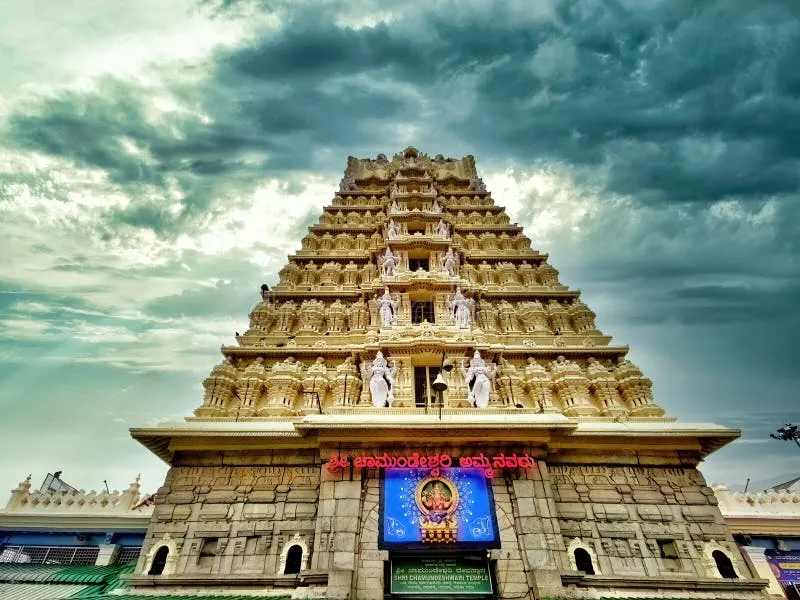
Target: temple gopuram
[[419, 408]]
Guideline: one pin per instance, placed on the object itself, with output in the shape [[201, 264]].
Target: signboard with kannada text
[[440, 575], [785, 565]]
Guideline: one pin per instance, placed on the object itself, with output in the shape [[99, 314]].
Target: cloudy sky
[[159, 160]]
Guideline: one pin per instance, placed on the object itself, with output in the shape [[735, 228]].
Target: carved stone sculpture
[[390, 263], [392, 230], [461, 309], [381, 380], [387, 308], [442, 230], [450, 263], [478, 378]]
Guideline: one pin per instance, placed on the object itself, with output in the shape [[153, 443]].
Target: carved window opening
[[415, 264], [667, 549], [669, 555], [159, 561], [294, 560], [422, 311], [209, 547], [583, 561], [724, 565], [208, 551]]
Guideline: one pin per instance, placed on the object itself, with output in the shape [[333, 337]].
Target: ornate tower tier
[[416, 349]]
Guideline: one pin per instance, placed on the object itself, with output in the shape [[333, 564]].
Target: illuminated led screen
[[437, 509]]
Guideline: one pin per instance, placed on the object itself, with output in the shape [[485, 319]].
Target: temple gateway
[[420, 408]]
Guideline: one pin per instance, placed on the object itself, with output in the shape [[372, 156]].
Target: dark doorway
[[159, 561], [724, 565], [583, 561], [415, 264], [294, 560]]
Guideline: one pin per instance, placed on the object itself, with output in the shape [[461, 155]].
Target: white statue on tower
[[392, 230], [390, 263], [436, 208], [381, 381], [479, 380], [442, 230], [461, 309], [450, 263], [387, 308]]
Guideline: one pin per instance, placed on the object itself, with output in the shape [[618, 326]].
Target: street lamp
[[786, 433]]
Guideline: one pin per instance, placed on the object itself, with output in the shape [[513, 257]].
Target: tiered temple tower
[[412, 281]]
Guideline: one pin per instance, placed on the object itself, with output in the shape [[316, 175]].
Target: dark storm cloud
[[675, 111]]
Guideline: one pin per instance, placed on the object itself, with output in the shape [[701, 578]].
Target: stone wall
[[229, 520], [635, 523]]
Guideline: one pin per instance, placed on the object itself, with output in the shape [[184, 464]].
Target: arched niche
[[582, 557], [718, 562], [289, 553], [162, 557]]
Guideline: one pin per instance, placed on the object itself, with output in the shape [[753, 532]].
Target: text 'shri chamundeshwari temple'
[[420, 408]]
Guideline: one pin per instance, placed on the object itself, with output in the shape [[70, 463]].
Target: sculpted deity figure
[[442, 230], [436, 208], [393, 191], [381, 380], [387, 308], [479, 380], [450, 263], [392, 230], [390, 263], [461, 309]]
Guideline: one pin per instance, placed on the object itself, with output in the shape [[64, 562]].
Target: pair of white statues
[[381, 377]]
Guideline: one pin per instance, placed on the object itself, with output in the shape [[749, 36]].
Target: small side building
[[61, 542], [766, 526]]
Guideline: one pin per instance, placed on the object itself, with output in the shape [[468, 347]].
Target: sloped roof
[[46, 591], [59, 582], [787, 485]]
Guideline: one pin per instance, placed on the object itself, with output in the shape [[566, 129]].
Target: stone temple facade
[[417, 321]]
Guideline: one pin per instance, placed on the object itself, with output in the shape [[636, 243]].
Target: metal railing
[[49, 555]]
